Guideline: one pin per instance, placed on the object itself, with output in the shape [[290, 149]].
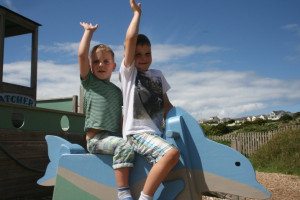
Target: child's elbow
[[81, 55]]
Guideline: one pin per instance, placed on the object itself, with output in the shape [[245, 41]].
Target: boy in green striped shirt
[[103, 108]]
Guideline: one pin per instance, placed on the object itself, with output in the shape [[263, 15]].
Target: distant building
[[225, 119], [251, 118], [276, 115], [240, 120], [214, 119], [211, 120], [263, 117]]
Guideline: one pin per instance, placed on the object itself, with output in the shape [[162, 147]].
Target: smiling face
[[103, 63], [143, 57]]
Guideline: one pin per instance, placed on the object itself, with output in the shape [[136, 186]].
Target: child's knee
[[173, 155], [176, 155]]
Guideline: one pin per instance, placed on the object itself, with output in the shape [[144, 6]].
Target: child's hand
[[135, 7], [88, 26]]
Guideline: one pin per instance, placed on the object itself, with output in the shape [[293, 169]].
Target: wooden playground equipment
[[205, 167], [23, 126]]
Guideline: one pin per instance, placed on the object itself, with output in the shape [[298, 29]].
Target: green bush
[[258, 126], [219, 129], [281, 154], [286, 118], [225, 142], [296, 115]]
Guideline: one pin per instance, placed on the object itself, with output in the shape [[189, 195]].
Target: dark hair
[[143, 40]]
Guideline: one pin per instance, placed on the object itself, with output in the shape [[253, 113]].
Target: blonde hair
[[103, 47]]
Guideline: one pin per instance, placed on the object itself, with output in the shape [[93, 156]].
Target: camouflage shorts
[[151, 146], [106, 142]]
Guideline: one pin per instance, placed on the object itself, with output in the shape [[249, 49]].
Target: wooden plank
[[18, 175], [24, 164], [15, 135], [13, 190], [30, 149], [15, 181], [19, 154]]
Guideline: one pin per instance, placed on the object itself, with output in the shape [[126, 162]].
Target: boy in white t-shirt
[[145, 103]]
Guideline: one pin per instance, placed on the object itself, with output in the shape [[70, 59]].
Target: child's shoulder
[[155, 72], [114, 86]]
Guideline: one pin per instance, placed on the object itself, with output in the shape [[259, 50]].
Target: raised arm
[[132, 32], [84, 47]]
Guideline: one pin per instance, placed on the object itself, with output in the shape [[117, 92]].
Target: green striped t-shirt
[[102, 104]]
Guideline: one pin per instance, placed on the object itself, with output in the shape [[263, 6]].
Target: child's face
[[143, 57], [103, 64]]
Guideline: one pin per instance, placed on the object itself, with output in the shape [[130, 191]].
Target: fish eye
[[237, 164]]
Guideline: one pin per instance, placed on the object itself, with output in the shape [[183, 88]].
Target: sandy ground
[[282, 187]]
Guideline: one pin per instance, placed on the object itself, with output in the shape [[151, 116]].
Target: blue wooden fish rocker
[[204, 167]]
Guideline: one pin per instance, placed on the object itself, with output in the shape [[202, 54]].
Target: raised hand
[[84, 46], [89, 26], [135, 7]]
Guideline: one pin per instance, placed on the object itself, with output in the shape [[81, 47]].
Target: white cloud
[[165, 53], [17, 73], [203, 94], [56, 80], [161, 53], [228, 93], [67, 47], [293, 28]]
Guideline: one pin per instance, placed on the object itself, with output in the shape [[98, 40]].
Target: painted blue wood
[[57, 147], [97, 168], [201, 154], [204, 165]]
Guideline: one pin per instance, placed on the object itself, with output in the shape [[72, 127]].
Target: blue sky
[[226, 58]]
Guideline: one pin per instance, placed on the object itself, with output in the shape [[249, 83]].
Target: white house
[[275, 115]]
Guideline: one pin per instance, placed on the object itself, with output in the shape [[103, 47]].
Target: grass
[[279, 155], [258, 127], [225, 142]]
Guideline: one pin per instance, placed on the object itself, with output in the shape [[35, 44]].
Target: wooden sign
[[17, 99]]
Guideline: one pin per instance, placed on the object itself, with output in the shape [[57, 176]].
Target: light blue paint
[[199, 155]]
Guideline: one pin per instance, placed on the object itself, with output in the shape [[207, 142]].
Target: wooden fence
[[248, 143]]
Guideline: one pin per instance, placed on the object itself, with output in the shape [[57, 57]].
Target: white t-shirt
[[142, 100]]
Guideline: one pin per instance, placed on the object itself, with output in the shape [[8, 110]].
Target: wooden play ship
[[24, 122]]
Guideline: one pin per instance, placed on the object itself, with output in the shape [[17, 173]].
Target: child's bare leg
[[122, 178], [159, 171]]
